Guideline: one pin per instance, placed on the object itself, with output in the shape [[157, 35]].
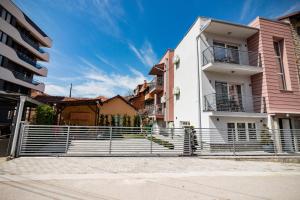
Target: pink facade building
[[279, 83]]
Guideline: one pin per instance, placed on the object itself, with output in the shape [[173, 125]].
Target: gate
[[44, 140]]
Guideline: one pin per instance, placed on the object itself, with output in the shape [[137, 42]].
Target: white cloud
[[140, 6], [105, 61], [245, 9], [145, 54], [95, 82], [56, 90], [291, 9]]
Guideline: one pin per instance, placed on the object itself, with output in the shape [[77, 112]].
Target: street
[[147, 178]]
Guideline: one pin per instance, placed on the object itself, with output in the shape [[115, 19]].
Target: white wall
[[208, 86], [185, 77], [220, 135]]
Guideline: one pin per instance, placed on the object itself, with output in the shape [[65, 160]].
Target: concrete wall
[[185, 77]]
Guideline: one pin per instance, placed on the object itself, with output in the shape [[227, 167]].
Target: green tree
[[112, 121], [124, 121], [101, 120], [128, 121], [44, 115], [106, 120], [118, 120], [137, 121]]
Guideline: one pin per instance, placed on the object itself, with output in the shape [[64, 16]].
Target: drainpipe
[[198, 72]]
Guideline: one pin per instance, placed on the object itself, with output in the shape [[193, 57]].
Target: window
[[238, 131], [298, 30], [241, 129], [3, 14], [229, 97], [4, 38], [252, 131], [8, 17], [278, 46], [1, 58]]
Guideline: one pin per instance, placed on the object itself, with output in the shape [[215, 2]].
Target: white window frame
[[236, 134], [281, 66]]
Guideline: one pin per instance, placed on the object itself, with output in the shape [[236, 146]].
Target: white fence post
[[67, 140], [22, 129], [110, 139], [151, 141]]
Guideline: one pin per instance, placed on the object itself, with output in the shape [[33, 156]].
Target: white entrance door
[[287, 138]]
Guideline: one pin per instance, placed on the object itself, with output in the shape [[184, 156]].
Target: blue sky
[[106, 47]]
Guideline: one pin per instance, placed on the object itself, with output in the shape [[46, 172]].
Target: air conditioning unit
[[176, 91], [163, 99], [176, 60]]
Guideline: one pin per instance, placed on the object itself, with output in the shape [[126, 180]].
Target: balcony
[[149, 96], [155, 110], [156, 85], [24, 77], [28, 60], [220, 104], [231, 61]]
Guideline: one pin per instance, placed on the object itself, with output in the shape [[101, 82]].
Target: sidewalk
[[147, 178]]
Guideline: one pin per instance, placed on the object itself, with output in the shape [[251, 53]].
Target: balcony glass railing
[[234, 103], [31, 42], [28, 60], [229, 55], [25, 78]]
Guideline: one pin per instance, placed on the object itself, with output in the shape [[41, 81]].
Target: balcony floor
[[230, 68], [235, 114]]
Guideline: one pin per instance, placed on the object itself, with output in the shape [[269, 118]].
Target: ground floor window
[[241, 131]]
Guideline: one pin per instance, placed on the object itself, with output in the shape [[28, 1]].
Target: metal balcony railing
[[229, 55], [234, 103], [31, 42], [154, 109], [156, 83], [29, 60]]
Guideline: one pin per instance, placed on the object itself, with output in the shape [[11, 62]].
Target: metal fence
[[41, 140]]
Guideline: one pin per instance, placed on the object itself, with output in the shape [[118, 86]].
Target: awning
[[157, 69]]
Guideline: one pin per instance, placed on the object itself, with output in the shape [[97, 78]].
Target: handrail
[[230, 55]]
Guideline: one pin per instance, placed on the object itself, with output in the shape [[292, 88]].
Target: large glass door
[[221, 96], [235, 97], [233, 54]]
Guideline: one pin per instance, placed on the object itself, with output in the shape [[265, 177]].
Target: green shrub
[[124, 121], [128, 121], [106, 120], [137, 121], [101, 120], [112, 121], [44, 115], [265, 135]]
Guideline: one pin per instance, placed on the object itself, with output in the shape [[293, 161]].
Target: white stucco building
[[213, 74]]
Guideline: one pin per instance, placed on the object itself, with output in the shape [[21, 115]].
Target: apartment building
[[214, 77], [236, 78], [138, 97], [159, 97], [21, 43], [21, 51]]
